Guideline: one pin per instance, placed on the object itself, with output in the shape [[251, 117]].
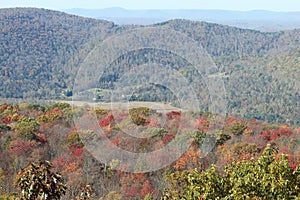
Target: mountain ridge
[[263, 20], [42, 50]]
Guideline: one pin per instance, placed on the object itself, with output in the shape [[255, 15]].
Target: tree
[[268, 177], [38, 181]]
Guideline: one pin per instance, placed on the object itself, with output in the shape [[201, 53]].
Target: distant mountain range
[[41, 51], [255, 19]]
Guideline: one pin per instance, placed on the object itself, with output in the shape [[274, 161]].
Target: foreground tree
[[38, 181], [268, 177]]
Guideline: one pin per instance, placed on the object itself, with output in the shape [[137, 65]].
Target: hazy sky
[[275, 5]]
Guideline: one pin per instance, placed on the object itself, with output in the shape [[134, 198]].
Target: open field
[[159, 107]]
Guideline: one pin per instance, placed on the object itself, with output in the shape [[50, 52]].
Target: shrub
[[139, 115], [4, 128]]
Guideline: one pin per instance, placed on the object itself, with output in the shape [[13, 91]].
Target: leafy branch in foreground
[[38, 181]]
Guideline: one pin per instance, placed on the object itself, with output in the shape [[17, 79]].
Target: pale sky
[[273, 5]]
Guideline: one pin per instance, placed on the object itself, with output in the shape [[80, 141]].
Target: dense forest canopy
[[44, 152]]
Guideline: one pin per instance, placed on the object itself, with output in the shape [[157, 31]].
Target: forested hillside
[[42, 50], [36, 44], [42, 152]]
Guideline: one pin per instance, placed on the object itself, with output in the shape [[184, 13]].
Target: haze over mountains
[[255, 19], [41, 51]]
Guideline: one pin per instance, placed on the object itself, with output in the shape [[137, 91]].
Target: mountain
[[36, 44], [41, 51], [256, 19]]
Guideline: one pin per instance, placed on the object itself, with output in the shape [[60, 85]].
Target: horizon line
[[155, 9]]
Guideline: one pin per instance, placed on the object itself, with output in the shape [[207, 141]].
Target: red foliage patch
[[106, 121], [5, 121], [203, 124], [153, 123], [77, 152], [20, 147], [168, 138], [116, 142], [110, 117], [60, 162], [271, 135], [173, 115], [53, 111], [230, 120]]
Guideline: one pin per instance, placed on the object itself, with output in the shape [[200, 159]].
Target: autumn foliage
[[31, 134]]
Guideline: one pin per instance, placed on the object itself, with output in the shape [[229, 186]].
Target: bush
[[4, 128], [26, 128], [60, 106], [139, 115], [238, 128]]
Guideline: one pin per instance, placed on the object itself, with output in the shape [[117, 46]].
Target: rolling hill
[[262, 20], [41, 51]]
